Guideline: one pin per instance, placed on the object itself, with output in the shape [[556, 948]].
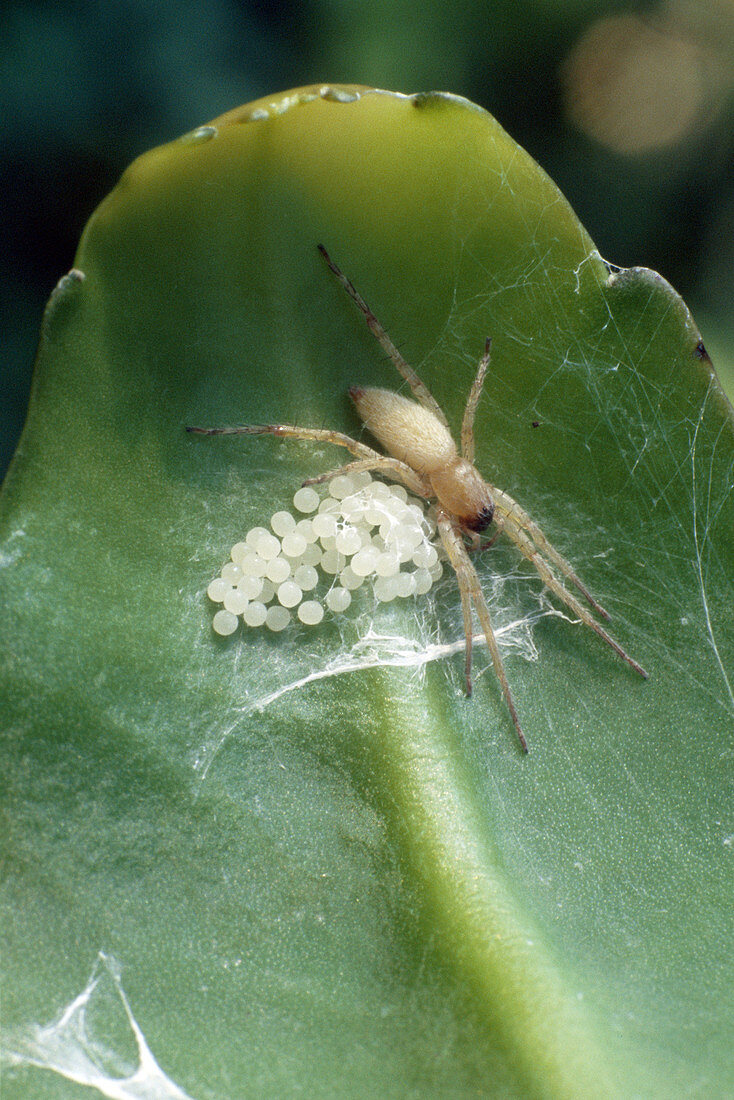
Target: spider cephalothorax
[[423, 455]]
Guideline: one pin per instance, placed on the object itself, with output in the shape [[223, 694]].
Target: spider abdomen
[[413, 434], [406, 430]]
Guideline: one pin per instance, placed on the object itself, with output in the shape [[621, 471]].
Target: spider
[[422, 455]]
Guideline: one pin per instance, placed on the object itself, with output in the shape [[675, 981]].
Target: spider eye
[[481, 520]]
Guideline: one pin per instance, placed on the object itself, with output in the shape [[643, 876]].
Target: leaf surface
[[304, 863]]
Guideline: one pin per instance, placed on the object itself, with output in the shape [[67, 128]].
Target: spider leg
[[390, 467], [468, 634], [367, 459], [529, 551], [471, 592], [505, 505], [467, 424], [420, 390], [465, 610], [291, 431]]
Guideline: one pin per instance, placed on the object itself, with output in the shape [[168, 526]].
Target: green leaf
[[305, 863]]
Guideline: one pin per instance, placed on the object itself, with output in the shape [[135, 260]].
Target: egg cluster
[[360, 531]]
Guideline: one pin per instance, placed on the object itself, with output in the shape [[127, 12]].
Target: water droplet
[[201, 133], [338, 95]]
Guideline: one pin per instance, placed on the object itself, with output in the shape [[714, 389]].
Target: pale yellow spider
[[424, 457]]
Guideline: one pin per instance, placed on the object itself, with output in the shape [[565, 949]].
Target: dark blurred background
[[628, 106]]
